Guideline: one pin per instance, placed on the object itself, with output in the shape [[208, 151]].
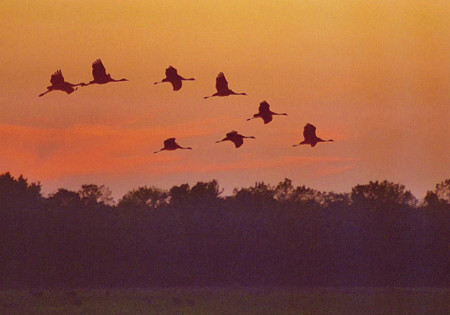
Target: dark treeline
[[376, 235]]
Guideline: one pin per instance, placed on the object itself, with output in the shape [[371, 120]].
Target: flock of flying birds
[[172, 76]]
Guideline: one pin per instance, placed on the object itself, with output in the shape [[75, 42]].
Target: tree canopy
[[376, 235]]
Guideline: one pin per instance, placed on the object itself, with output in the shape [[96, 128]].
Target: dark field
[[228, 301]]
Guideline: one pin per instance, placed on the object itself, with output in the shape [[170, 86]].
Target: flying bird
[[236, 138], [222, 87], [100, 75], [58, 83], [174, 78], [265, 113], [170, 145], [309, 133]]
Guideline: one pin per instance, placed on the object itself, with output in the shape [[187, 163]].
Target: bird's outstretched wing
[[232, 133], [267, 117], [264, 107], [57, 78], [176, 84], [171, 72], [98, 70], [169, 142], [238, 141], [309, 131], [221, 83]]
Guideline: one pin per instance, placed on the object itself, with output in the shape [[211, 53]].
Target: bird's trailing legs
[[42, 94], [164, 80], [215, 94]]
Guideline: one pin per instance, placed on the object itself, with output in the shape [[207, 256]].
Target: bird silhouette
[[174, 78], [309, 133], [170, 145], [100, 75], [236, 138], [265, 113], [222, 87], [58, 83]]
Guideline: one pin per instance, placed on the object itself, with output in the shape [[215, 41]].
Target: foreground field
[[228, 301]]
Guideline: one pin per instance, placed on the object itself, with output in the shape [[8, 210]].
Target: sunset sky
[[372, 75]]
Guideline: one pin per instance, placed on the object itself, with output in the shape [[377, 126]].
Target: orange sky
[[373, 75]]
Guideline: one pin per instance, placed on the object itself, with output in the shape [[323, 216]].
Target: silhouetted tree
[[257, 198], [144, 197], [440, 195], [383, 193], [206, 191], [261, 235], [306, 196], [17, 193], [283, 190], [179, 195], [64, 198], [93, 194]]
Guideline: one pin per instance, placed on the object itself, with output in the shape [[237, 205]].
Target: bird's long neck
[[113, 80], [280, 114], [323, 140], [189, 79]]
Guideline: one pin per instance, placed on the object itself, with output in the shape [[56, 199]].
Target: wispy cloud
[[49, 153], [86, 149]]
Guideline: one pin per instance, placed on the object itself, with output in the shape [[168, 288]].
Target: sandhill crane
[[309, 133], [58, 83], [173, 77], [170, 145], [236, 138], [265, 113], [222, 87], [100, 75]]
